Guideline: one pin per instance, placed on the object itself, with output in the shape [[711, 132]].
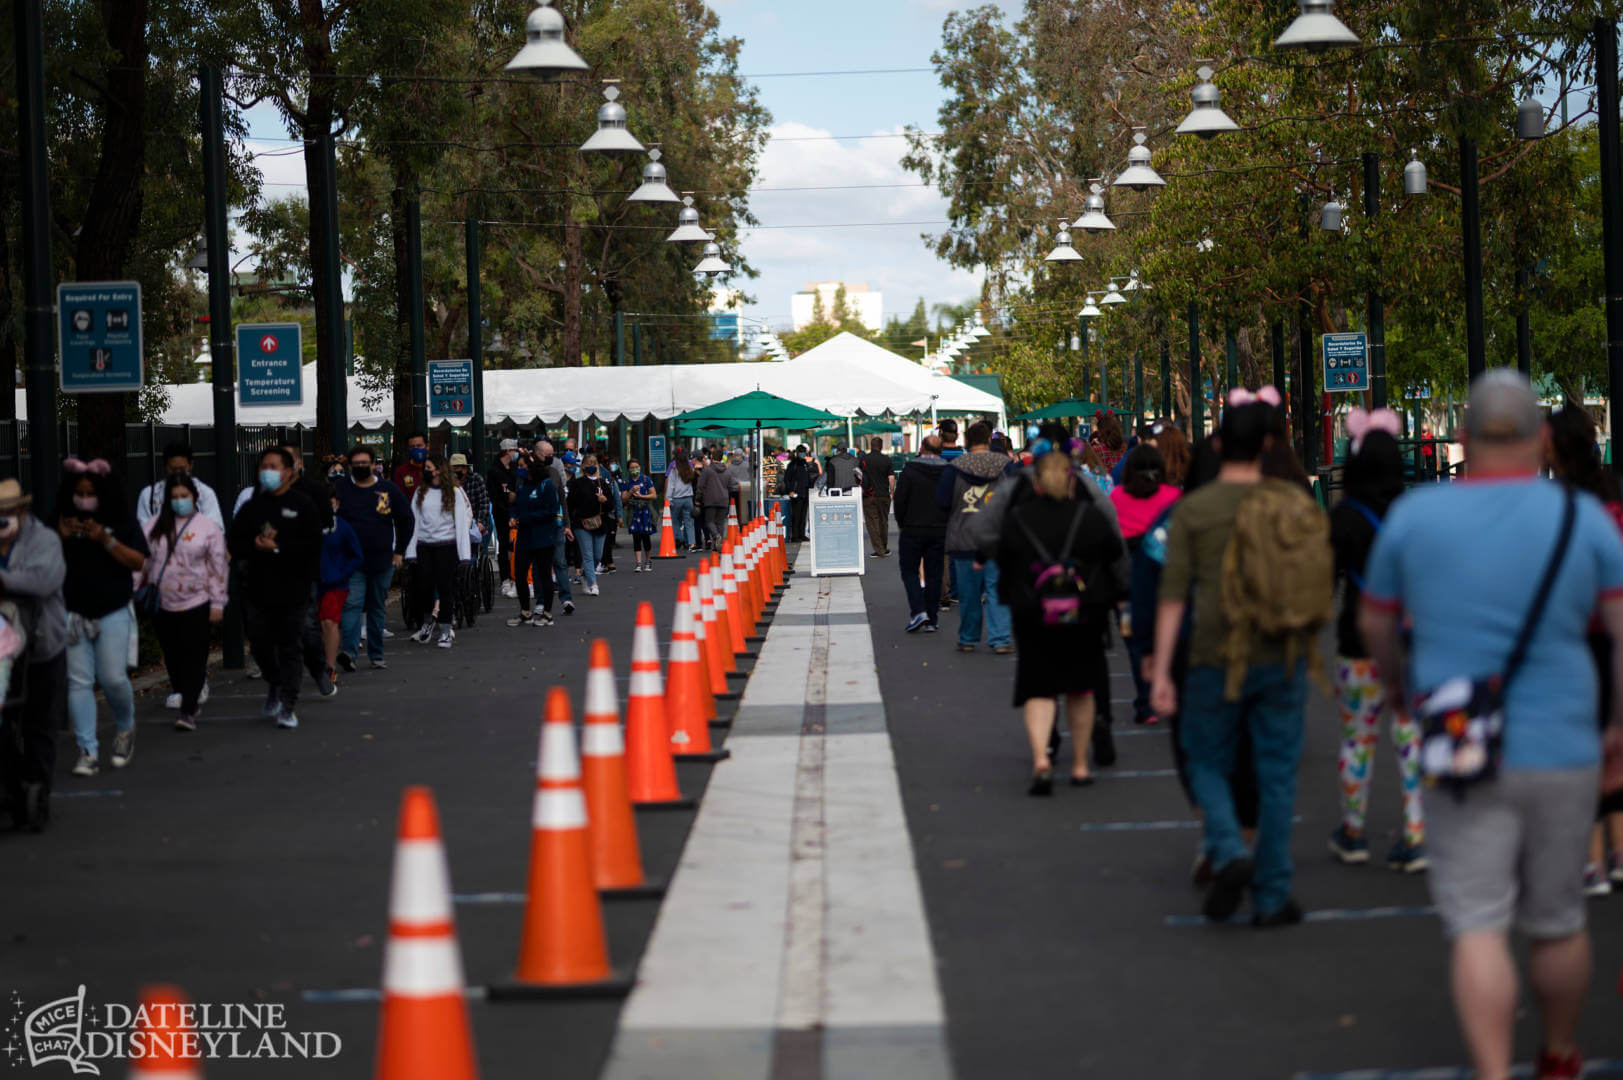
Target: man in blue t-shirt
[[1463, 562], [380, 514]]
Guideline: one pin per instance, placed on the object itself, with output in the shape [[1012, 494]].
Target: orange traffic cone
[[706, 614], [684, 688], [651, 774], [616, 857], [563, 950], [751, 586], [170, 1048], [736, 616], [706, 695], [423, 1031], [732, 523], [667, 537], [724, 619]]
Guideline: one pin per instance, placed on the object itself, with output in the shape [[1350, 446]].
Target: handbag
[[1463, 719], [148, 598]]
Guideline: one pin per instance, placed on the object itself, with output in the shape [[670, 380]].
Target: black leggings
[[541, 560], [436, 575], [642, 542], [184, 636]]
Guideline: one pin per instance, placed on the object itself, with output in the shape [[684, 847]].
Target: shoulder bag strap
[[1076, 523], [1031, 537], [1545, 585], [1368, 514]]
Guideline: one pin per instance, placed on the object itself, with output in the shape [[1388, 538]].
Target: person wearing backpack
[[965, 487], [1057, 552], [1255, 556], [1374, 479], [878, 485]]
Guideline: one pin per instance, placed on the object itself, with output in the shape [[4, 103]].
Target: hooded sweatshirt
[[915, 506], [33, 571], [965, 485], [716, 484]]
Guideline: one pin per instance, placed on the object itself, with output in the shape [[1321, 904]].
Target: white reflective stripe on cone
[[558, 759], [599, 739], [683, 650], [600, 700], [646, 683], [420, 891], [559, 808], [427, 967], [683, 622], [644, 645]]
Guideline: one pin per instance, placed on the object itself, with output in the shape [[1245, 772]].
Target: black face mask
[[546, 462], [360, 472]]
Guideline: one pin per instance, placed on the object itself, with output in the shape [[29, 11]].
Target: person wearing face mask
[[538, 520], [311, 487], [177, 458], [276, 539], [408, 475], [473, 486], [560, 552], [381, 516], [637, 492], [186, 564], [439, 542], [588, 504], [32, 570], [102, 545], [502, 485], [610, 474]]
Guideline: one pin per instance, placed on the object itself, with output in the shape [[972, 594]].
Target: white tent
[[847, 352]]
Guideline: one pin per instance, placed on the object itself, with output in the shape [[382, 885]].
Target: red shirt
[[408, 477]]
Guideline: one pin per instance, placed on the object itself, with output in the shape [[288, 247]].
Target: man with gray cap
[[501, 484], [1507, 850]]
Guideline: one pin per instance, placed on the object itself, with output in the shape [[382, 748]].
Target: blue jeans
[[1270, 707], [368, 593], [591, 553], [971, 583], [101, 661], [560, 569], [682, 519]]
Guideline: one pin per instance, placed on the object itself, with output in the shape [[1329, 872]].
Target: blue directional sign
[[270, 364], [450, 389], [101, 336], [1346, 362], [658, 461]]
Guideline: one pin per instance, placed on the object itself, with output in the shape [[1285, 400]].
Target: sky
[[888, 253]]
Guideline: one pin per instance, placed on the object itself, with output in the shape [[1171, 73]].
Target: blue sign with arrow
[[270, 364], [100, 348]]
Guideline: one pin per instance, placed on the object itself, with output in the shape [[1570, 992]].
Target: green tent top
[[1062, 410], [864, 427], [756, 408]]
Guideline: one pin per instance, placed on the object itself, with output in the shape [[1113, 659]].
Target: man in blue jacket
[[380, 514], [537, 514]]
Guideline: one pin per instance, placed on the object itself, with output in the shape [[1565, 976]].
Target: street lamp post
[[1197, 404], [1377, 303], [418, 332], [1471, 234], [1611, 187], [38, 334], [476, 339]]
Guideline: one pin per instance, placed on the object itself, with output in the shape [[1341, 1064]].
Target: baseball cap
[[507, 444], [459, 459]]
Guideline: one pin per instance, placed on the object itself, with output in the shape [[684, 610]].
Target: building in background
[[725, 321], [865, 306]]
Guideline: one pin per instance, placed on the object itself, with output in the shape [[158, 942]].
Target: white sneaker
[[591, 590], [123, 748], [387, 633], [172, 701], [86, 765], [425, 634], [509, 590], [202, 698], [287, 721], [447, 638]]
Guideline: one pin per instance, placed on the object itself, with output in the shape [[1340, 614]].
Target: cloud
[[862, 183]]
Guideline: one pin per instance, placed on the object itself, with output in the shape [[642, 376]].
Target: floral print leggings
[[1361, 694]]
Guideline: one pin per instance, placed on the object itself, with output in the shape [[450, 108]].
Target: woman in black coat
[[1058, 536]]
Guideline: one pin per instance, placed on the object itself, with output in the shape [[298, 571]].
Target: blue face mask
[[270, 479], [523, 474], [181, 507], [418, 454]]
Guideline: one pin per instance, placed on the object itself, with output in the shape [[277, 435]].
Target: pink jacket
[[1137, 515], [197, 572]]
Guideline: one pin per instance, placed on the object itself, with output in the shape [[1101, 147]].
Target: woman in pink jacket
[[188, 567]]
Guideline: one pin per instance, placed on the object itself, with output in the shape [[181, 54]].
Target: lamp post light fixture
[[1207, 119], [1139, 175], [1090, 310], [1113, 295], [1330, 216], [712, 263], [545, 53], [687, 225], [1529, 119], [1136, 284], [1063, 251], [611, 136], [1093, 212], [1315, 29], [654, 188], [1414, 175]]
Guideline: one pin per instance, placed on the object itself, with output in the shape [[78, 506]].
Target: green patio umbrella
[[764, 410], [865, 427], [1062, 410]]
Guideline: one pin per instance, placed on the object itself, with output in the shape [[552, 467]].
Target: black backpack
[[1068, 593]]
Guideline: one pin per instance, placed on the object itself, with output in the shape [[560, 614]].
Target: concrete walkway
[[793, 941]]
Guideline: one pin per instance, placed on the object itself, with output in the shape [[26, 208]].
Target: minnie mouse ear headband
[[95, 467], [1361, 422], [1239, 396]]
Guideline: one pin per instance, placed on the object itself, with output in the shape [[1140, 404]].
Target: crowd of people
[[1216, 568]]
